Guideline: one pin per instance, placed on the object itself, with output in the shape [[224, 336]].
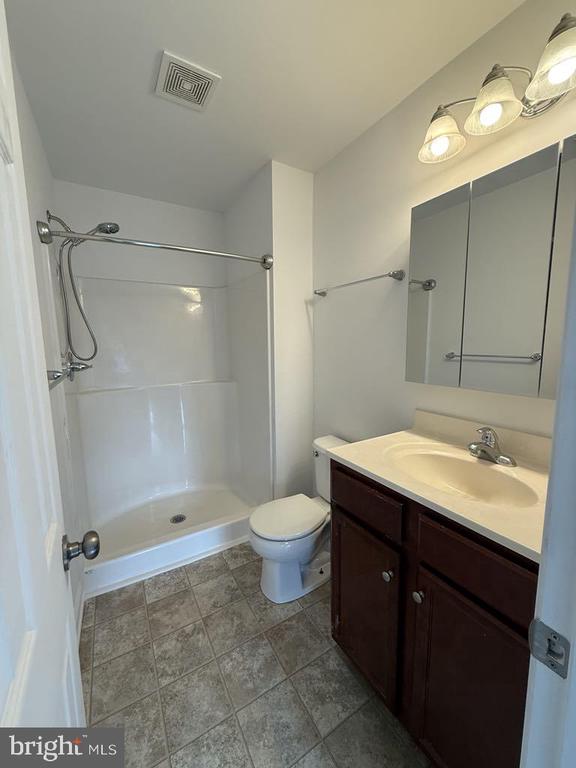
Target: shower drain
[[178, 519]]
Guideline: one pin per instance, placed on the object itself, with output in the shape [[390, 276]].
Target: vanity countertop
[[505, 504]]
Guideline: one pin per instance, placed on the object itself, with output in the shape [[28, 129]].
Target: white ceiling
[[300, 80]]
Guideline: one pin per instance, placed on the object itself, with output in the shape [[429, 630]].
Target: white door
[[39, 668], [550, 724]]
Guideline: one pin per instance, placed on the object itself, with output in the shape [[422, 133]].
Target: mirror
[[559, 273], [498, 251], [509, 248], [439, 236]]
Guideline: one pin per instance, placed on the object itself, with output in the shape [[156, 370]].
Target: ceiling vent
[[185, 83]]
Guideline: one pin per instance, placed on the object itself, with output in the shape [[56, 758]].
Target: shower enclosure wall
[[174, 415]]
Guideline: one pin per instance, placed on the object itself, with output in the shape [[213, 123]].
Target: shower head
[[107, 228]]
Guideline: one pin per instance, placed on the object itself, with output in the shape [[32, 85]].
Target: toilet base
[[283, 582]]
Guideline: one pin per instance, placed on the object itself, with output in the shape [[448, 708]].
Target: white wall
[[83, 207], [363, 200], [248, 230], [39, 189], [292, 217], [273, 214]]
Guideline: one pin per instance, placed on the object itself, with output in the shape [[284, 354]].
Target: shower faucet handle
[[68, 371], [74, 367]]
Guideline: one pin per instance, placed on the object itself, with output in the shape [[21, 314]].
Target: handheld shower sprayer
[[105, 228]]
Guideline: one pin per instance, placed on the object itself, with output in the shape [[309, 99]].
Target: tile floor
[[205, 672]]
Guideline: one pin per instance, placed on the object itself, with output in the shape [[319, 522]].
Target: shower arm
[[47, 235]]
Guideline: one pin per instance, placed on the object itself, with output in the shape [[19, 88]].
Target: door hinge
[[549, 647]]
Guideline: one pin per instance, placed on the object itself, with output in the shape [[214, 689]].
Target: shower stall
[[170, 365]]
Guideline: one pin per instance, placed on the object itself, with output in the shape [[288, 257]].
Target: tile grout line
[[139, 698], [184, 674], [319, 629], [89, 713], [159, 697], [232, 602], [262, 636], [288, 678], [275, 626], [130, 704], [214, 659], [292, 686], [322, 738], [170, 594], [247, 640], [331, 731], [150, 642], [234, 710], [217, 658], [118, 616], [134, 648], [122, 612], [315, 628]]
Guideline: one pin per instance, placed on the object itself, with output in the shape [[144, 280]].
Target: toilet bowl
[[292, 535]]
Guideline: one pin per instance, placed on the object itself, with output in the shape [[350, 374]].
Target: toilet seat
[[292, 517]]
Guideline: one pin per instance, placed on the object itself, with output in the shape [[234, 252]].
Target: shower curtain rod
[[47, 235]]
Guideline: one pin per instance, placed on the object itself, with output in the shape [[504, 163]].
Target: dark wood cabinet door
[[366, 589], [470, 680]]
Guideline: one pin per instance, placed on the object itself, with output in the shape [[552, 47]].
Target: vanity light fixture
[[443, 138], [556, 72], [496, 106]]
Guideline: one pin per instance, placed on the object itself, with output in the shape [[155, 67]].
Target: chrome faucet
[[487, 448]]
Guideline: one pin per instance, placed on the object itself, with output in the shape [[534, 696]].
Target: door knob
[[418, 597], [89, 547], [387, 576]]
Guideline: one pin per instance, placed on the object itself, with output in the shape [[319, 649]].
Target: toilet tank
[[322, 463]]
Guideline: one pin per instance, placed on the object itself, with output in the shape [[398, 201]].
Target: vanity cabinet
[[369, 591], [469, 684], [436, 617]]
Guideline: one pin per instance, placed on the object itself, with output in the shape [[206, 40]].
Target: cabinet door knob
[[418, 597], [387, 576]]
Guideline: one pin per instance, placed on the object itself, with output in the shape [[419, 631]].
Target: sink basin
[[474, 479]]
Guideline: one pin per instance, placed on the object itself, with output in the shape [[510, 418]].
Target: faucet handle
[[488, 436]]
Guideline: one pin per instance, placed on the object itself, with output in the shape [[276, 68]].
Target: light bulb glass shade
[[443, 139], [556, 72], [496, 106]]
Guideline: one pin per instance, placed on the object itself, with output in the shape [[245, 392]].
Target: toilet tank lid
[[328, 442]]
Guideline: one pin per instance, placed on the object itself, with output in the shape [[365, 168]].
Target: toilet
[[293, 535]]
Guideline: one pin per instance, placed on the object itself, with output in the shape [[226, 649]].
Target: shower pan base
[[144, 541]]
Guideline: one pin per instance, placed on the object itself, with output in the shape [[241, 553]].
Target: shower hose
[[69, 245]]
